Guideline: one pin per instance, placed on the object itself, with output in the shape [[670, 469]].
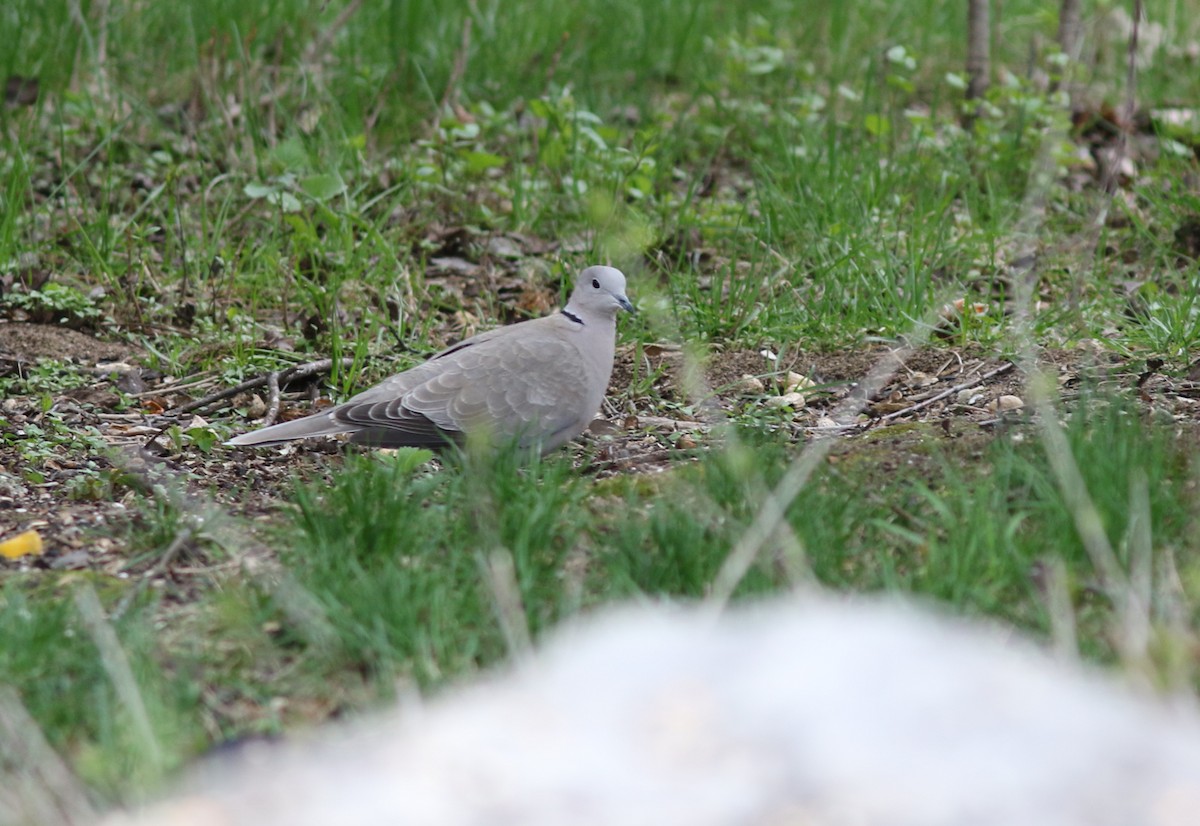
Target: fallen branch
[[1003, 368], [316, 50], [274, 399], [279, 377], [457, 71], [177, 544]]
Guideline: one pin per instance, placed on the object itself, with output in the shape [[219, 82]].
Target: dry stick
[[555, 59], [496, 562], [322, 43], [291, 374], [1140, 544], [300, 371], [457, 71], [35, 784], [274, 396], [979, 62], [1068, 28], [177, 544], [500, 572], [695, 387], [1112, 169], [1175, 613], [315, 50], [177, 388], [101, 11], [1002, 369], [120, 672], [770, 517], [1063, 630], [1131, 611]]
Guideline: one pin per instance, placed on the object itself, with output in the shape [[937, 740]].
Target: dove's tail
[[319, 425]]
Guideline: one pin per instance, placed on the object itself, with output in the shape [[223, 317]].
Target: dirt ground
[[83, 499]]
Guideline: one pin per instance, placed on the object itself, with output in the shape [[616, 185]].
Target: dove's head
[[600, 291]]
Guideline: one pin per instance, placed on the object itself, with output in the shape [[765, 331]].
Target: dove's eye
[[595, 284]]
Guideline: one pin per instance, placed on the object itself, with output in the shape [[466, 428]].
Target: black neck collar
[[572, 316]]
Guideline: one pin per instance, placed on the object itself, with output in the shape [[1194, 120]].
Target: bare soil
[[83, 502]]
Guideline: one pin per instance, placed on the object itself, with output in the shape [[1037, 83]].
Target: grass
[[237, 187]]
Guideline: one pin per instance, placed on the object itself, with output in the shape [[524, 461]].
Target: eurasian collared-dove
[[539, 382]]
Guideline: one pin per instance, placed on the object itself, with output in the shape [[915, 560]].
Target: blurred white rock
[[812, 712]]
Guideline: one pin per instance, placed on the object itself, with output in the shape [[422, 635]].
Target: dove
[[538, 382]]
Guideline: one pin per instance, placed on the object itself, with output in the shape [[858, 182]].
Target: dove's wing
[[532, 384]]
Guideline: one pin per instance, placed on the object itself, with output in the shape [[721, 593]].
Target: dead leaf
[[28, 543], [20, 91]]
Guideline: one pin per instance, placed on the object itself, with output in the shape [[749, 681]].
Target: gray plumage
[[538, 382]]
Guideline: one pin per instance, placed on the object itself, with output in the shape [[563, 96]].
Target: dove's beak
[[625, 304]]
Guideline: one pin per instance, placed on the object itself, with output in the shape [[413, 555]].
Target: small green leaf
[[323, 187], [203, 438], [481, 161], [302, 227], [290, 155], [253, 190], [877, 125], [285, 201]]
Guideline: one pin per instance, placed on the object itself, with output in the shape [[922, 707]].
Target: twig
[[648, 458], [273, 379], [1131, 609], [321, 44], [766, 522], [979, 63], [315, 50], [1003, 368], [116, 664], [500, 573], [1088, 523], [300, 371], [37, 783], [273, 404], [771, 515], [1068, 28], [181, 539], [555, 59], [457, 71], [1057, 595], [175, 388]]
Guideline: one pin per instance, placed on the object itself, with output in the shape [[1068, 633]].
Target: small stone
[[919, 379], [603, 427], [503, 247], [751, 386], [795, 382], [793, 400], [825, 421], [256, 408], [1004, 404], [969, 396], [110, 367]]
